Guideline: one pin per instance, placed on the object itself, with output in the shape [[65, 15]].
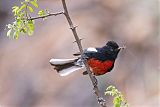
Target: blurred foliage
[[118, 100], [22, 24]]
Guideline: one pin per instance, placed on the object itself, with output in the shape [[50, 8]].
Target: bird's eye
[[111, 49]]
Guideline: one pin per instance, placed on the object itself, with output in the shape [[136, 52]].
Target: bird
[[100, 60]]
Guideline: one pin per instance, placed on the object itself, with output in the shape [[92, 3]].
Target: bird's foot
[[84, 57]]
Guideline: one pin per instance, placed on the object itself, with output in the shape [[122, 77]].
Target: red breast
[[99, 67]]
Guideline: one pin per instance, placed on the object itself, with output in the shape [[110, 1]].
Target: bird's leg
[[84, 57]]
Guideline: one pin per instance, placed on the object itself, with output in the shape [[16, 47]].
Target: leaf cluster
[[118, 100], [22, 23]]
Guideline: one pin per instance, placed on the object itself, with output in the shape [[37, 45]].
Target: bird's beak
[[122, 47]]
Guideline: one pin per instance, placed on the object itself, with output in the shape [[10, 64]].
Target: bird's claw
[[84, 57]]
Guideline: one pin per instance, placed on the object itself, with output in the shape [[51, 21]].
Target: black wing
[[98, 54]]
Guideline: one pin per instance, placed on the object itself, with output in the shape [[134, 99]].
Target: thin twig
[[26, 9], [78, 41], [50, 14]]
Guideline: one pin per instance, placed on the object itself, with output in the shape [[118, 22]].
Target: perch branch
[[101, 101]]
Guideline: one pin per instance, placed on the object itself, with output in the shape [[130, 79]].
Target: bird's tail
[[66, 66]]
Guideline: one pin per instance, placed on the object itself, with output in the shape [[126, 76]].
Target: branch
[[50, 14], [101, 101]]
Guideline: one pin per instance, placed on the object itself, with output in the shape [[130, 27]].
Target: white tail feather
[[66, 66], [69, 70], [61, 61]]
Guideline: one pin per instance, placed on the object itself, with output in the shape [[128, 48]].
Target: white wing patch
[[92, 49]]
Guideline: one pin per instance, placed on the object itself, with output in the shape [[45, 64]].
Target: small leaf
[[34, 3], [41, 13], [30, 8], [117, 105], [15, 10], [23, 30], [15, 7], [18, 23], [9, 26], [22, 15], [117, 102], [9, 33], [27, 0], [22, 3], [22, 7], [30, 26], [16, 34]]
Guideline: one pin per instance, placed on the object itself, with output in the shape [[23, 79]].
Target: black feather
[[64, 66]]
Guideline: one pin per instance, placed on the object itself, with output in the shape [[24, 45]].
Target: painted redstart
[[100, 60]]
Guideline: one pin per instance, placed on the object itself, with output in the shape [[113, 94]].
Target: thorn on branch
[[79, 39], [73, 27]]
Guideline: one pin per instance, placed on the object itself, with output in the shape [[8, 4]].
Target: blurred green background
[[28, 80]]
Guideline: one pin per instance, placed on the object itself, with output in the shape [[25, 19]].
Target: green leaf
[[30, 26], [18, 23], [41, 13], [22, 7], [16, 35], [117, 105], [15, 7], [118, 100], [27, 0], [9, 26], [22, 3], [9, 32], [23, 30], [34, 3], [30, 8], [22, 15], [15, 10]]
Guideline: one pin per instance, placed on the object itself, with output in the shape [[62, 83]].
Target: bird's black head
[[112, 44], [111, 49]]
